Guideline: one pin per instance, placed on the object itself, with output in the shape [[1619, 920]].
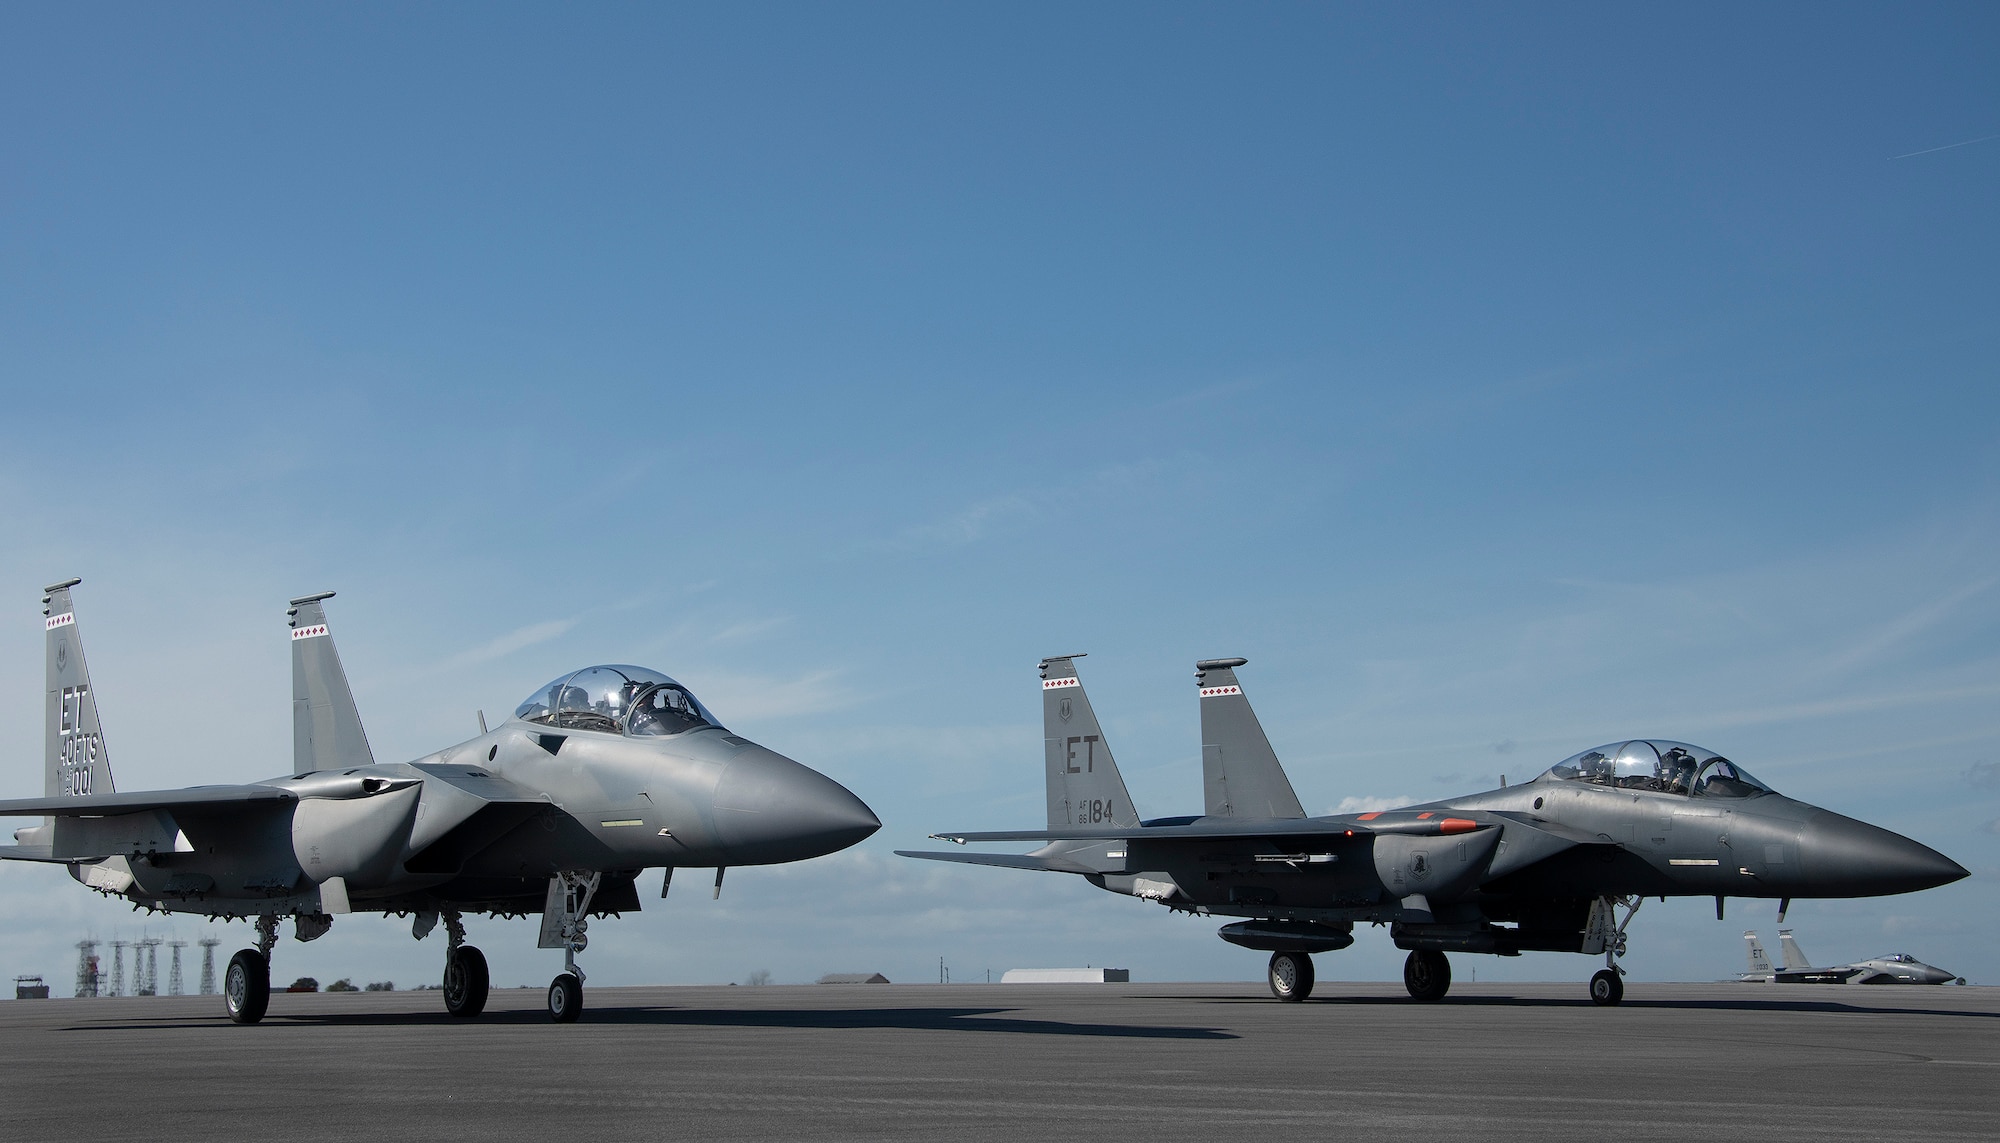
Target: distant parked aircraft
[[1901, 968]]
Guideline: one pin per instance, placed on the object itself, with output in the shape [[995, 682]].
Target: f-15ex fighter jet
[[1545, 865], [1889, 968], [604, 772]]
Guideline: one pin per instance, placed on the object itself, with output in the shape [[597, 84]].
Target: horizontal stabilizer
[[1004, 860]]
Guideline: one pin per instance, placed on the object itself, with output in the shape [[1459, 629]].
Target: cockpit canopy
[[1655, 764], [616, 699]]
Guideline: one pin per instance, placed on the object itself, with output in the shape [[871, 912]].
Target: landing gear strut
[[1427, 974], [465, 975], [1291, 976], [246, 986], [1606, 934], [569, 899]]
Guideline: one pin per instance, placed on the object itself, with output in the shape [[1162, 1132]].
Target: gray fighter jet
[[601, 774], [1897, 968], [1544, 865]]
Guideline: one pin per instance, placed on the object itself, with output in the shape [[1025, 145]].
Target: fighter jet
[[603, 773], [1549, 864], [1898, 968]]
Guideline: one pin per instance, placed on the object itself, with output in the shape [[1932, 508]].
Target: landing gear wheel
[[1291, 976], [565, 998], [465, 981], [1606, 988], [1427, 974], [246, 986]]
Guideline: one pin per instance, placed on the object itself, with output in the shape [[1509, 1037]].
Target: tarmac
[[1145, 1062]]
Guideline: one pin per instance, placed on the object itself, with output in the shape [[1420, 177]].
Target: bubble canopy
[[1656, 764], [616, 699]]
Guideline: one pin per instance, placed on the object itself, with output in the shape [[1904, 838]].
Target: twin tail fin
[[75, 762], [326, 727], [1240, 773], [1084, 786]]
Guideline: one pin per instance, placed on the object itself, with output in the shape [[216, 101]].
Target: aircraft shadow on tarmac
[[902, 1019], [1583, 1002]]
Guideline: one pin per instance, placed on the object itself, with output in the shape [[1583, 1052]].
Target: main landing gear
[[246, 986], [1291, 976], [569, 902], [465, 976], [1427, 974]]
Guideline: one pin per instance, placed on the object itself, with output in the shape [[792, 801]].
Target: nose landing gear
[[565, 921], [1606, 934]]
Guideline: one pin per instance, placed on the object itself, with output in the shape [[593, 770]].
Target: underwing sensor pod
[[1558, 864], [601, 774]]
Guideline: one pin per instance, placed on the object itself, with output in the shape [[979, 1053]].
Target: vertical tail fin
[[1085, 788], [1240, 774], [75, 761], [1760, 965], [326, 728], [1795, 958]]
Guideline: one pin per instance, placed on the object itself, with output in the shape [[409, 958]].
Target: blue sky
[[1499, 382]]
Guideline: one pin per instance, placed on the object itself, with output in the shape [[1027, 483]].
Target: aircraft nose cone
[[769, 808], [1846, 858]]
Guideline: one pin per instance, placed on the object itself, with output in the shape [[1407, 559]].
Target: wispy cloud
[[752, 697], [966, 526], [1904, 627], [749, 629], [518, 639], [1946, 147]]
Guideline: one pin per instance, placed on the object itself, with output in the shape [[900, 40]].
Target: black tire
[[246, 987], [465, 982], [565, 998], [1291, 976], [1606, 988], [1427, 974]]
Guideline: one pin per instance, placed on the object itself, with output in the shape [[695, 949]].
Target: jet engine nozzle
[[1842, 857]]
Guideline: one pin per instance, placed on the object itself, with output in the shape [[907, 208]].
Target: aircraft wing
[[1005, 860], [108, 805], [1232, 829], [30, 853]]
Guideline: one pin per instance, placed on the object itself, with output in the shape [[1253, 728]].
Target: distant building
[[854, 978], [30, 988], [1067, 976]]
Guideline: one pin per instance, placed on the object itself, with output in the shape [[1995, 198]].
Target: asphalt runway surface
[[1026, 1062]]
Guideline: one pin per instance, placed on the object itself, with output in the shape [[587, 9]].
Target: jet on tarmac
[[1544, 865], [603, 773], [1899, 968]]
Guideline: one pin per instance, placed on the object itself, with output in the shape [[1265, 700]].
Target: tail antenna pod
[[1045, 664]]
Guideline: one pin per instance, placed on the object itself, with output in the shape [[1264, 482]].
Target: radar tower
[[86, 968]]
